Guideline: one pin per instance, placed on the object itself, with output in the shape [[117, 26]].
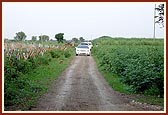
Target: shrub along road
[[82, 88]]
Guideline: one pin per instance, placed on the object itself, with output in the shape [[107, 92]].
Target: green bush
[[10, 68], [67, 54], [43, 60], [19, 90], [56, 53], [24, 66]]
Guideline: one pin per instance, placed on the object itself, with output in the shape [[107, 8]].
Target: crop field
[[22, 63], [139, 63], [31, 68]]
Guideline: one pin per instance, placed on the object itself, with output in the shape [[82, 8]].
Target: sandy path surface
[[82, 88]]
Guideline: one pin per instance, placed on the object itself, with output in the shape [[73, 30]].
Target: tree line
[[21, 36]]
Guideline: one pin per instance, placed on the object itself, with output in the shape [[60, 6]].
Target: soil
[[82, 88]]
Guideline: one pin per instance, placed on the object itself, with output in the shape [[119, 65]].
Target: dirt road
[[82, 88]]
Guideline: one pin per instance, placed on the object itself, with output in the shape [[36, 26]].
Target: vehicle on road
[[87, 43], [83, 50]]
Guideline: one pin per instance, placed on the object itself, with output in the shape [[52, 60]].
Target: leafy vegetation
[[20, 36], [25, 80], [139, 63], [43, 38], [59, 37]]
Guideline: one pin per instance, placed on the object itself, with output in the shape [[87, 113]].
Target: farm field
[[132, 65], [28, 70], [84, 57], [133, 68]]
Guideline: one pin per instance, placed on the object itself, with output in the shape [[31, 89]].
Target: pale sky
[[87, 20]]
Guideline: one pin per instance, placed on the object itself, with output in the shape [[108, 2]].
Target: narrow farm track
[[82, 88]]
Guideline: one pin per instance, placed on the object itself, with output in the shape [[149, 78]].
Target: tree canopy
[[20, 36], [60, 37], [34, 38], [43, 38], [81, 39], [75, 40]]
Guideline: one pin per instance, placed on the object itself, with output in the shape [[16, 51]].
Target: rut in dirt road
[[82, 88]]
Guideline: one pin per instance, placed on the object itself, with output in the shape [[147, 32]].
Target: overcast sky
[[88, 20]]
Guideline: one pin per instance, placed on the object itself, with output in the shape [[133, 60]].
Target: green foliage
[[45, 59], [34, 38], [19, 90], [81, 39], [75, 40], [44, 38], [19, 87], [20, 36], [139, 65], [67, 53], [61, 53], [60, 37], [13, 67], [55, 53]]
